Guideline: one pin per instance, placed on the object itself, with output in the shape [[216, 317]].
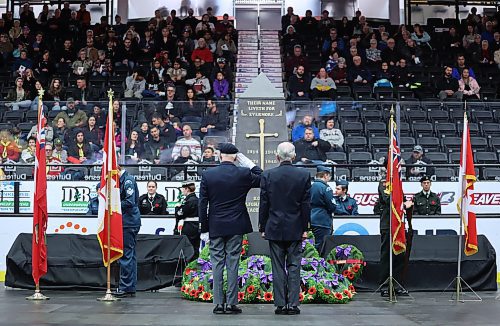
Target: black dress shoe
[[293, 311], [384, 293], [402, 292], [123, 294], [219, 309], [281, 310], [233, 309]]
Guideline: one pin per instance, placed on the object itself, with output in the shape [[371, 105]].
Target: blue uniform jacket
[[347, 206], [323, 204], [129, 195], [223, 193]]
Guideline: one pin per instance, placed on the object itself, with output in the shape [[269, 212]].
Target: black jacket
[[224, 188], [444, 83], [304, 148], [285, 203], [156, 207], [296, 84]]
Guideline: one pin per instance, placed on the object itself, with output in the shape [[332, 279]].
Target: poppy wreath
[[320, 281], [349, 261]]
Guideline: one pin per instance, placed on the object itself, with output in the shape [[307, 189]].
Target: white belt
[[191, 219]]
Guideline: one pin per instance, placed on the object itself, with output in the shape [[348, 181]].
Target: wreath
[[349, 261]]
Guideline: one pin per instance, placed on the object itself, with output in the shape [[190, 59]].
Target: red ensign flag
[[110, 211], [465, 205], [395, 188], [40, 218]]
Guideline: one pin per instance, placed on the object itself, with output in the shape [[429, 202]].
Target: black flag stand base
[[37, 296], [181, 261], [458, 295], [108, 297], [392, 284]]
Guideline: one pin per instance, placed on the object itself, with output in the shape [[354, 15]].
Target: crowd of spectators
[[182, 67], [322, 54]]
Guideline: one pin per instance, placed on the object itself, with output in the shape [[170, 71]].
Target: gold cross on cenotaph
[[261, 137]]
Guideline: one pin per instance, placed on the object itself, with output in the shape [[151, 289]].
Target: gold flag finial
[[41, 91], [392, 109], [110, 94]]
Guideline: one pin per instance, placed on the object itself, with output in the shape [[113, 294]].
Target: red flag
[[40, 218], [395, 187], [465, 204], [110, 212]]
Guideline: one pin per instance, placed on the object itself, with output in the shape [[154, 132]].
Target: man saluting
[[224, 220]]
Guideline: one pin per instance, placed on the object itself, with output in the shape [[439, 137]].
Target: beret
[[228, 148]]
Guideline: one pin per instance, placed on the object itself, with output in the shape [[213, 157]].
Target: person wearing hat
[[222, 66], [323, 205], [284, 218], [186, 216], [426, 202], [346, 205], [152, 203], [73, 117], [224, 219], [59, 152], [416, 172]]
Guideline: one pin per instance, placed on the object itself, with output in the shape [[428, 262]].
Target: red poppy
[[268, 296], [326, 291], [433, 202], [241, 296], [192, 293], [345, 272], [250, 289], [346, 292], [350, 276], [197, 293], [187, 271], [301, 296], [355, 268], [312, 290], [245, 242], [352, 288], [157, 205], [201, 287], [339, 296], [349, 207], [183, 288], [243, 251], [207, 296]]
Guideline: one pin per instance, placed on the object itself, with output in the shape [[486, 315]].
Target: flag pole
[[38, 296], [392, 297], [109, 297]]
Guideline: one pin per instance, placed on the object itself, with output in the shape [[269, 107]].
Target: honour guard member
[[346, 205], [186, 216], [426, 202], [152, 203], [323, 205]]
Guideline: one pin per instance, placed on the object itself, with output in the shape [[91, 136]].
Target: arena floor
[[167, 308]]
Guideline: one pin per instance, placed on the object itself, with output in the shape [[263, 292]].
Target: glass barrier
[[175, 140]]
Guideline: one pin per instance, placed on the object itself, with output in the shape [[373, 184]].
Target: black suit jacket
[[224, 188], [285, 203]]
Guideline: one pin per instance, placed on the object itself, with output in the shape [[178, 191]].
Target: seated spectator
[[214, 122], [457, 71], [384, 73], [177, 73], [133, 148], [102, 66], [126, 55], [143, 132], [22, 63], [390, 54], [209, 156], [327, 43], [152, 203], [207, 36], [226, 48], [135, 84], [9, 150], [332, 135], [155, 146], [488, 33], [298, 131], [496, 43], [333, 57], [373, 55], [82, 65], [44, 68], [326, 23], [298, 85], [452, 43], [358, 74], [16, 30], [90, 50], [93, 134], [311, 150], [79, 152], [6, 48], [290, 40], [285, 19], [66, 55], [147, 44], [421, 37], [200, 84], [418, 158], [185, 156], [53, 163], [28, 154], [401, 76], [61, 131], [167, 131], [484, 57], [188, 140], [339, 73], [468, 37], [203, 53], [56, 93], [49, 132], [221, 87], [323, 86], [205, 24], [412, 53], [34, 96], [447, 86], [191, 109], [468, 86], [73, 117], [474, 48], [18, 97], [225, 68], [295, 60]]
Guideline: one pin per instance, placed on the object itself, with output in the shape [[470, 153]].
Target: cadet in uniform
[[152, 203], [323, 205], [346, 205], [426, 202], [186, 216]]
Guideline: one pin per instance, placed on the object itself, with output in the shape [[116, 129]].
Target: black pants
[[190, 229], [397, 260], [285, 262]]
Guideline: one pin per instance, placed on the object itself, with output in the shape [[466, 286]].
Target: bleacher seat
[[358, 173], [445, 129], [5, 125], [360, 157], [487, 129], [438, 116], [31, 116], [342, 173], [479, 143], [429, 144], [422, 129], [14, 117], [337, 157], [373, 129], [486, 157], [371, 115], [437, 157], [348, 115], [378, 144], [454, 157], [482, 116], [353, 143], [352, 128], [444, 174], [406, 143], [491, 174], [495, 143], [451, 144], [25, 127], [416, 116]]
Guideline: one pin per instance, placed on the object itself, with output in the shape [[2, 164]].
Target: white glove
[[245, 161], [180, 225], [205, 237]]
